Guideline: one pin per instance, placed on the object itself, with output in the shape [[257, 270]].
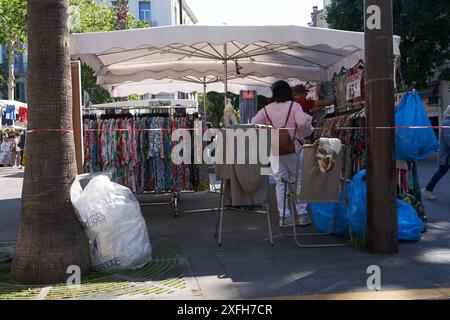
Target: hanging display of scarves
[[137, 151]]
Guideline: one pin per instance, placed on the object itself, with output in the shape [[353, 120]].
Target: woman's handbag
[[286, 143]]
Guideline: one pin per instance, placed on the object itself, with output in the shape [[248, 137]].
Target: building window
[[20, 92], [144, 11]]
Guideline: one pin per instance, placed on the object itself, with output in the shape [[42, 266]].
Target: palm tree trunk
[[51, 238], [122, 14]]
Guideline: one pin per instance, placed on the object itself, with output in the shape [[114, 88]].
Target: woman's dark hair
[[282, 92]]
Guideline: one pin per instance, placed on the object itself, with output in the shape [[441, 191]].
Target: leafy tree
[[424, 27], [13, 34], [346, 15], [89, 84], [90, 16], [3, 80], [215, 106]]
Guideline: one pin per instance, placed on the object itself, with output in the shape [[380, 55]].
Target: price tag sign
[[248, 95], [354, 87]]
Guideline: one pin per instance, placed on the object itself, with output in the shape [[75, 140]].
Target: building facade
[[20, 72], [159, 12], [154, 12], [318, 19]]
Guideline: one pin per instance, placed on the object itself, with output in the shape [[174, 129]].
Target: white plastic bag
[[112, 218]]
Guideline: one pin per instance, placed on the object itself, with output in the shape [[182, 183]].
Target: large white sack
[[112, 219]]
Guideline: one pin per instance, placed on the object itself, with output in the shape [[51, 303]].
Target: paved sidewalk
[[246, 266]]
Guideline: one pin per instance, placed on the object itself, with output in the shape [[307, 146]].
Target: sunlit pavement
[[246, 266]]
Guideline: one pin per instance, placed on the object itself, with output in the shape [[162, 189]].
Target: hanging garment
[[10, 113], [23, 114]]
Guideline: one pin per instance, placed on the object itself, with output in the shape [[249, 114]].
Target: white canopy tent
[[196, 84], [127, 59]]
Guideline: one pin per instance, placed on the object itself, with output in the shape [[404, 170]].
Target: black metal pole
[[381, 161], [181, 11]]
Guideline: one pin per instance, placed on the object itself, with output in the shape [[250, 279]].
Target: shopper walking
[[284, 112], [23, 138], [4, 151], [16, 152], [444, 158]]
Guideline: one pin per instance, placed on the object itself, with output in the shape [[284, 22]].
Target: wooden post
[[382, 220], [77, 114]]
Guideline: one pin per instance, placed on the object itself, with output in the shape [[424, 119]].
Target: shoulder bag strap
[[267, 116], [289, 114]]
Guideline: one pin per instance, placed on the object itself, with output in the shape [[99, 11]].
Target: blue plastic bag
[[413, 144], [410, 226], [323, 214], [357, 210]]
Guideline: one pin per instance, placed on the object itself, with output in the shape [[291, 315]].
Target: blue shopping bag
[[413, 144]]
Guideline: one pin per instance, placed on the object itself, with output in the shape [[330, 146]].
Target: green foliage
[[215, 106], [13, 23], [346, 15], [89, 84], [133, 97], [13, 32], [3, 79], [424, 27], [359, 242], [201, 104], [5, 270], [89, 16]]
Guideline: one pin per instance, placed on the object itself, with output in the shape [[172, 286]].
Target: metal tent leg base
[[219, 223], [296, 235], [173, 201]]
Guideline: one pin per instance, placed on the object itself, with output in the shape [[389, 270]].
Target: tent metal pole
[[204, 98], [225, 57]]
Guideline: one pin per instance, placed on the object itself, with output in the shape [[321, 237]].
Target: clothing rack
[[149, 103], [164, 106]]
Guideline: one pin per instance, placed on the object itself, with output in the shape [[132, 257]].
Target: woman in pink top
[[299, 126]]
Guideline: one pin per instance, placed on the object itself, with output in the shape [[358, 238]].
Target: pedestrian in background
[[16, 152], [4, 151], [444, 158], [23, 137]]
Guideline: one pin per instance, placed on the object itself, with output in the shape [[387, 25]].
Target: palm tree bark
[[51, 238]]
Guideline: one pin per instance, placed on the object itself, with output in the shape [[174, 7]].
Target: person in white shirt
[[4, 151], [16, 152]]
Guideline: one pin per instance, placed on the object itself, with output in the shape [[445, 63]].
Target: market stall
[[137, 61], [13, 113]]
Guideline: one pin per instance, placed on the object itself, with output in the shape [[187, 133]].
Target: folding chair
[[222, 207], [315, 187]]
